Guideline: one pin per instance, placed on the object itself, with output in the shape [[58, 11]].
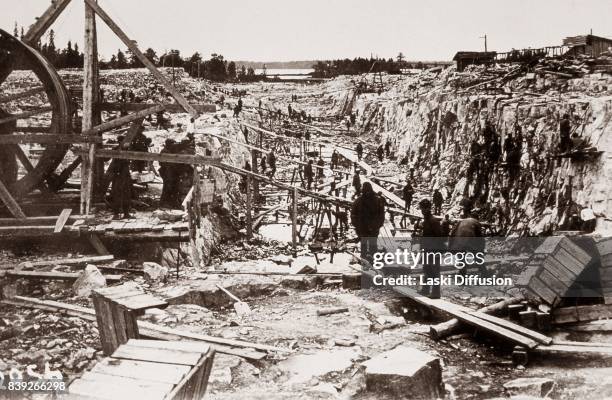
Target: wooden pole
[[136, 51], [90, 89], [249, 208], [10, 202], [294, 220], [38, 29]]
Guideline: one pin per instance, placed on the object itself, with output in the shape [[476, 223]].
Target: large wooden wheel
[[55, 101]]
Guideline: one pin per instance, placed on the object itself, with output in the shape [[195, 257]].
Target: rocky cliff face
[[441, 121]]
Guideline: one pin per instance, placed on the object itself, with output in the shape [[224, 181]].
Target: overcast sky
[[270, 30]]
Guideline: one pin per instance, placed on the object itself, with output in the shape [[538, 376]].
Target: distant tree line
[[68, 57]]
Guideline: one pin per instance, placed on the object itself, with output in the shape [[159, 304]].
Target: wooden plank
[[576, 251], [119, 320], [549, 245], [148, 329], [582, 313], [10, 202], [113, 388], [106, 325], [171, 108], [462, 314], [55, 275], [38, 220], [118, 122], [541, 290], [188, 346], [559, 271], [38, 29], [147, 63], [159, 372], [21, 95], [165, 356], [62, 219], [141, 302], [47, 138], [97, 244], [554, 284], [537, 336], [169, 158], [74, 261], [26, 115], [569, 261]]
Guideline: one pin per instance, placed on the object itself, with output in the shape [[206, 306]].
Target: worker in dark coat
[[368, 216], [407, 193], [437, 200], [357, 183], [263, 165], [359, 151], [308, 174], [334, 159], [380, 152], [272, 164], [121, 181], [388, 148], [431, 241], [565, 128], [320, 170], [140, 143], [169, 176], [467, 235]]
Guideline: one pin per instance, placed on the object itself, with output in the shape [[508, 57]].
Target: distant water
[[286, 73]]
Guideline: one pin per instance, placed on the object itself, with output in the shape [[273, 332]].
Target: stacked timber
[[604, 246], [556, 267]]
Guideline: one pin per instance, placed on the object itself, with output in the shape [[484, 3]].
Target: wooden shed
[[590, 45], [465, 58]]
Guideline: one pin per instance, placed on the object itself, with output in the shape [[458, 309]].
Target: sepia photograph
[[281, 200]]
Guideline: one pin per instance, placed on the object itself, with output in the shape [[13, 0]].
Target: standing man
[[357, 183], [359, 150], [388, 148], [121, 190], [431, 241], [407, 193], [320, 171], [368, 216], [168, 173], [308, 174], [272, 164], [437, 202], [380, 152], [466, 236], [565, 143], [334, 159]]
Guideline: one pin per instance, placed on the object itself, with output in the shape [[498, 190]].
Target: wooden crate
[[148, 369], [559, 263], [604, 246], [117, 309]]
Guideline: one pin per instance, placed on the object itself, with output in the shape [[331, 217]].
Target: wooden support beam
[[21, 95], [294, 228], [33, 129], [10, 202], [39, 220], [136, 51], [38, 29], [116, 123], [171, 108], [26, 114], [90, 97], [47, 138], [249, 208], [97, 244], [169, 158], [62, 219]]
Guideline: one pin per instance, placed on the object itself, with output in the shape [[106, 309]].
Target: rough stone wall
[[433, 118]]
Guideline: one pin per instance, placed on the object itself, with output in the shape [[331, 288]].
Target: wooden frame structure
[[93, 181]]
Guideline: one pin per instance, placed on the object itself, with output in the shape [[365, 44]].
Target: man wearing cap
[[430, 241]]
